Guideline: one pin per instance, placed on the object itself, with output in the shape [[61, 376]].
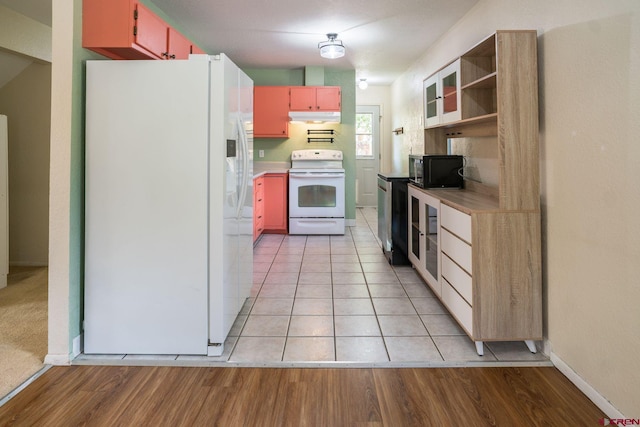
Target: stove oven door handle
[[316, 175]]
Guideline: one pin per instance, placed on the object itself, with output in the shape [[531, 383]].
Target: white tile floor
[[319, 299], [336, 298]]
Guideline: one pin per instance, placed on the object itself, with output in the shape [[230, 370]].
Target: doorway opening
[[25, 100], [367, 154]]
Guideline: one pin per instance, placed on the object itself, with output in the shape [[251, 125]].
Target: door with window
[[367, 154]]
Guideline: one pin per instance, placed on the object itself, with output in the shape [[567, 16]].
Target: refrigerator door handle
[[245, 167]]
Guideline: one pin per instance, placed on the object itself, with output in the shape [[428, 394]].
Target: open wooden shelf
[[486, 82]]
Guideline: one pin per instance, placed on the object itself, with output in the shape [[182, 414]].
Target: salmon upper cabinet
[[196, 49], [314, 98], [126, 29], [178, 46], [271, 111]]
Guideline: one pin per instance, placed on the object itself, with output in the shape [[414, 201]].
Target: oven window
[[317, 196]]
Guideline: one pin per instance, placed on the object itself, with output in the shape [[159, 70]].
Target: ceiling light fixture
[[331, 48], [362, 84]]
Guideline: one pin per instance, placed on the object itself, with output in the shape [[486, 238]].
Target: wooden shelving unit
[[499, 85], [498, 297]]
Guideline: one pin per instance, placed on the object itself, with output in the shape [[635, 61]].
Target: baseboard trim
[[350, 222], [57, 359], [27, 264], [599, 400], [78, 344]]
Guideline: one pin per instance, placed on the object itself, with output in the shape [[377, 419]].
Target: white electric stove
[[316, 192]]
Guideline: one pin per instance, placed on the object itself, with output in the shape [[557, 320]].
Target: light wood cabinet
[[276, 192], [490, 237], [126, 29], [499, 79], [314, 98], [271, 111]]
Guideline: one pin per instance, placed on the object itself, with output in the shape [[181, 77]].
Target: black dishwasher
[[393, 218]]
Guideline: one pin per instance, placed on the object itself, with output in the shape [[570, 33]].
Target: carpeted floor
[[23, 326]]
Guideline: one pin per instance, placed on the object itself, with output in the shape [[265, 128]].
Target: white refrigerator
[[168, 204]]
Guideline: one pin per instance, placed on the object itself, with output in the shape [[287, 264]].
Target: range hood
[[315, 116]]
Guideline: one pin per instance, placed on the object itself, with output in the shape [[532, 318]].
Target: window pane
[[364, 135], [364, 123], [364, 145]]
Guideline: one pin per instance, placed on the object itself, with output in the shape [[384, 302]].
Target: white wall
[[25, 97], [24, 36], [381, 96], [4, 208], [26, 101], [60, 177], [589, 63]]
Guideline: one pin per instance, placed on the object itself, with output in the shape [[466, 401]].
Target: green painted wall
[[76, 231], [279, 149]]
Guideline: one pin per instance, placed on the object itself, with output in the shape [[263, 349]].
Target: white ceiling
[[39, 10], [382, 37]]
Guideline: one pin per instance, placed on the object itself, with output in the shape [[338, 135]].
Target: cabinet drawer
[[457, 250], [258, 185], [458, 278], [258, 196], [459, 223], [258, 210], [458, 307]]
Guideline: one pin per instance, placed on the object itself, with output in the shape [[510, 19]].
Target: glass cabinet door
[[415, 227], [424, 236], [442, 96], [450, 92], [431, 96], [431, 240]]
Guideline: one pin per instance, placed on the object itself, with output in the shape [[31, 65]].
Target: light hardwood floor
[[182, 396]]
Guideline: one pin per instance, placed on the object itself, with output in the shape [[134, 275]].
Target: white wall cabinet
[[442, 96]]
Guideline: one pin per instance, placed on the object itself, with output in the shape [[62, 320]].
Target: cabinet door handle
[[165, 54], [172, 56]]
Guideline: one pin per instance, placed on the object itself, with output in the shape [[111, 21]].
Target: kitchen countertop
[[393, 175], [261, 168]]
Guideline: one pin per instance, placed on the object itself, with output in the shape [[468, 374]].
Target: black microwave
[[436, 171]]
